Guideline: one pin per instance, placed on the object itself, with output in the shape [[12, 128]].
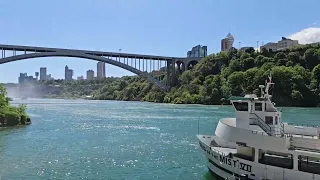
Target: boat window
[[309, 164], [269, 120], [277, 159], [241, 106], [276, 120], [258, 106]]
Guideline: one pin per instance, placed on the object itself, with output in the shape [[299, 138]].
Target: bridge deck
[[98, 53]]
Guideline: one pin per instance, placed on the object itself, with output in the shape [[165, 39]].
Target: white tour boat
[[257, 145]]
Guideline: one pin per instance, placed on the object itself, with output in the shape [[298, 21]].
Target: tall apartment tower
[[227, 43], [198, 51], [101, 70], [43, 73], [90, 74], [68, 73]]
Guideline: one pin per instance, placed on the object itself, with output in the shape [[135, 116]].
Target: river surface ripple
[[78, 139]]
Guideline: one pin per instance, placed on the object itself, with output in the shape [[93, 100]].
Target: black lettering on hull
[[245, 167], [236, 163]]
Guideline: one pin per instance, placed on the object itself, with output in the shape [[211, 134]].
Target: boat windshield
[[241, 106]]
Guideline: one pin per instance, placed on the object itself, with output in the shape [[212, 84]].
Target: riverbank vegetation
[[10, 115], [73, 89], [216, 77], [296, 73]]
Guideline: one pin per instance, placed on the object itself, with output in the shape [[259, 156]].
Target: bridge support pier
[[168, 80], [171, 73]]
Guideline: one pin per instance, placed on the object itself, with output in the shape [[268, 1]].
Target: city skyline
[[69, 74], [196, 51], [148, 34]]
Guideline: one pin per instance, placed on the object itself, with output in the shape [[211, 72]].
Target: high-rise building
[[66, 68], [43, 73], [24, 78], [68, 73], [90, 74], [101, 70], [198, 51], [227, 43], [49, 77], [80, 78]]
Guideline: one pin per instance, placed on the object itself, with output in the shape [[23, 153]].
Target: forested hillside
[[296, 73]]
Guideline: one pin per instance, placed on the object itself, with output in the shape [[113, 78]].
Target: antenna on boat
[[268, 85], [198, 124], [270, 76], [261, 90]]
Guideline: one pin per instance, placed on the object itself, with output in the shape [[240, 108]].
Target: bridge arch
[[191, 64], [85, 56], [181, 66]]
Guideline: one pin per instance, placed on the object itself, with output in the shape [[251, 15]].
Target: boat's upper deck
[[227, 129], [299, 160]]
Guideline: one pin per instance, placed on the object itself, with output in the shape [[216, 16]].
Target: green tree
[[259, 61], [3, 97], [235, 81], [294, 57], [250, 50], [311, 57], [247, 63], [232, 54], [316, 73]]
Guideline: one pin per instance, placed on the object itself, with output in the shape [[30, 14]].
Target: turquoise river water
[[78, 139]]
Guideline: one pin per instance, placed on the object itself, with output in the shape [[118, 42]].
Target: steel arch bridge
[[141, 65]]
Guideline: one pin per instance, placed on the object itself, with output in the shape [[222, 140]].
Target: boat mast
[[269, 83]]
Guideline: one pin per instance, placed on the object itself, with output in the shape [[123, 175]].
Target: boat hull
[[216, 176], [224, 163], [219, 172]]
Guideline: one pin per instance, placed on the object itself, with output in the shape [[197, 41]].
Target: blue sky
[[157, 27]]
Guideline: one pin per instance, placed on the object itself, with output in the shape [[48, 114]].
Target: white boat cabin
[[258, 111]]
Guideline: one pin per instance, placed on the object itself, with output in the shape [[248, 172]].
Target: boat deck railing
[[302, 136], [259, 132], [258, 121], [282, 128], [303, 125], [306, 149], [266, 127]]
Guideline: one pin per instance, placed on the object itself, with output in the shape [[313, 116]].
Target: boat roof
[[248, 97], [235, 98]]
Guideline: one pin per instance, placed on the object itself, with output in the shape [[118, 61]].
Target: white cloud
[[308, 35]]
